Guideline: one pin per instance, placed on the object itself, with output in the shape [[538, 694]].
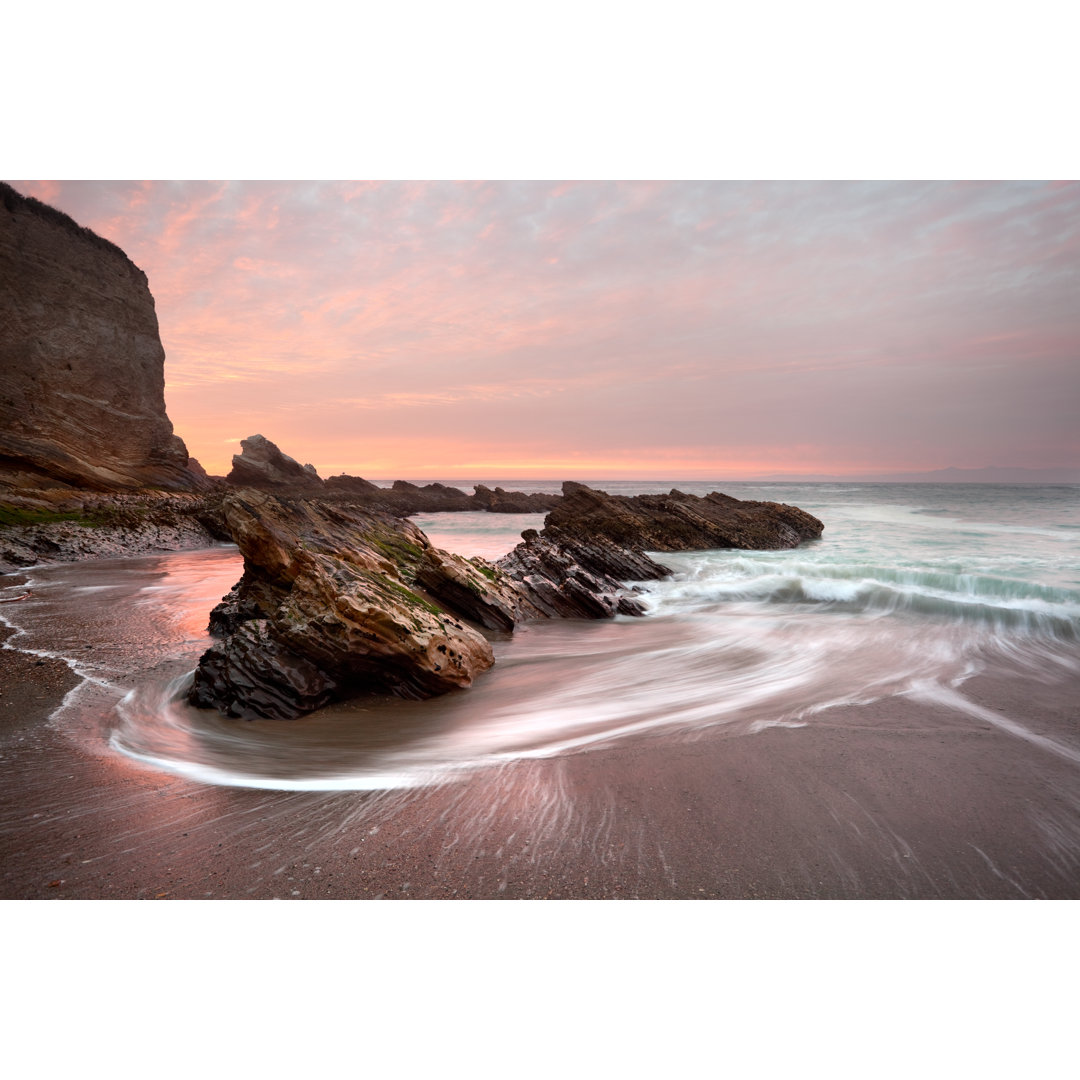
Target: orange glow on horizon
[[427, 460]]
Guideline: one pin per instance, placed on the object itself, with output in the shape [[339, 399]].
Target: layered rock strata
[[261, 464], [337, 600], [404, 498], [56, 526], [82, 400], [677, 521], [584, 579], [500, 501]]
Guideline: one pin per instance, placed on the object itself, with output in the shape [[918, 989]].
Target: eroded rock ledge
[[677, 521], [262, 464], [65, 526], [337, 600]]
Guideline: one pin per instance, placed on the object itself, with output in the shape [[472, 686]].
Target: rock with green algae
[[338, 600]]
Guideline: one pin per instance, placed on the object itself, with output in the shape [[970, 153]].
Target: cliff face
[[82, 397]]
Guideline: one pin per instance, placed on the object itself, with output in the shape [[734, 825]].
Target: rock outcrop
[[677, 521], [261, 464], [583, 579], [337, 599], [593, 543], [345, 484], [58, 526], [404, 498], [82, 400], [501, 501]]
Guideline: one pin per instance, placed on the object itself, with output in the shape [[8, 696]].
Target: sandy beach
[[897, 799]]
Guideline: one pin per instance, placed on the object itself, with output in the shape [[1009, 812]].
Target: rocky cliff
[[82, 401]]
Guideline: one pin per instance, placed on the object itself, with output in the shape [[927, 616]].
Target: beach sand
[[896, 799]]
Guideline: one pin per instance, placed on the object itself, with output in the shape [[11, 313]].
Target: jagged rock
[[406, 498], [255, 674], [500, 501], [200, 479], [261, 464], [582, 580], [677, 521], [477, 590], [345, 483], [250, 598], [594, 543], [336, 588], [82, 400]]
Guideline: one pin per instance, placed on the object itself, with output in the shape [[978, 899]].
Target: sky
[[727, 330]]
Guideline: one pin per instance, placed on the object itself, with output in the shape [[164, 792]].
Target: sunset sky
[[603, 329]]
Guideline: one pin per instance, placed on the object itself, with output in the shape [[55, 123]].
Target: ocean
[[910, 592]]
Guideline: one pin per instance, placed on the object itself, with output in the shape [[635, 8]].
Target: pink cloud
[[789, 324]]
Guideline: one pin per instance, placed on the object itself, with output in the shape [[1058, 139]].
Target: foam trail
[[942, 695]]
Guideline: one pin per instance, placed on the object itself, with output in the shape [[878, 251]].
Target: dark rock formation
[[676, 521], [500, 501], [346, 484], [60, 526], [578, 580], [331, 602], [82, 401], [428, 499], [404, 499], [593, 543], [262, 465], [336, 600]]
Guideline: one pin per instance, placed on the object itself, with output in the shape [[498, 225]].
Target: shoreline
[[32, 688], [897, 799]]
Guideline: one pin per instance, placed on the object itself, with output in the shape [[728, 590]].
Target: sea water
[[911, 591]]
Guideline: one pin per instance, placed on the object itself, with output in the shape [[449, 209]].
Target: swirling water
[[911, 590]]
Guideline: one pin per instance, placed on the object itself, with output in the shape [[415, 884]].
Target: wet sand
[[897, 799]]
